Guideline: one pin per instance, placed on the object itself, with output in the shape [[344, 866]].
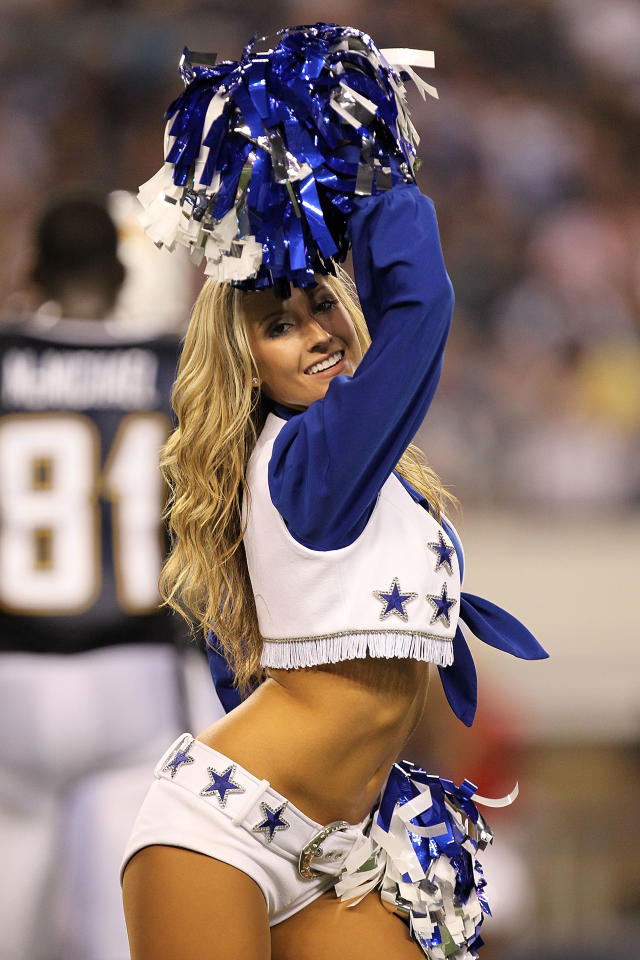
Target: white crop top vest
[[393, 592]]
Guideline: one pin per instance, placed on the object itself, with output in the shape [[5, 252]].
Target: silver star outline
[[180, 757], [444, 552], [442, 604], [269, 827], [229, 785], [403, 600]]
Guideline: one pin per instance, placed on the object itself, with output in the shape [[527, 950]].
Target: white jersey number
[[50, 536]]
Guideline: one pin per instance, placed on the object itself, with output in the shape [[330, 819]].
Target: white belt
[[253, 804]]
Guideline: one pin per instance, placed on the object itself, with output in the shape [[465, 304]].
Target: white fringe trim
[[293, 654]]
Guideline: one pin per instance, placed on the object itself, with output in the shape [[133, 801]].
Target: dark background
[[532, 157]]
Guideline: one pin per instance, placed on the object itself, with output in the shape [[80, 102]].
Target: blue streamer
[[315, 217], [402, 786], [257, 86], [279, 105]]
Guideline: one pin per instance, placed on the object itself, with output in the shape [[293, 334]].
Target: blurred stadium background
[[532, 156]]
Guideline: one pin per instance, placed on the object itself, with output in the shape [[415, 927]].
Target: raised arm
[[329, 463]]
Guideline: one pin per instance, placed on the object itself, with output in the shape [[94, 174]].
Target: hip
[[206, 802], [417, 847]]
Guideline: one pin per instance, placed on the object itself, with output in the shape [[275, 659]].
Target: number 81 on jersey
[[50, 527]]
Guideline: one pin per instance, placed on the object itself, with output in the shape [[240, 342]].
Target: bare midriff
[[325, 737]]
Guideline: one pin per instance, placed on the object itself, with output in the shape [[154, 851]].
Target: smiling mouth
[[323, 365]]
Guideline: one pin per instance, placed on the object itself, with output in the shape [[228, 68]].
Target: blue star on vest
[[394, 600], [272, 821], [179, 758], [441, 606], [443, 552], [222, 784]]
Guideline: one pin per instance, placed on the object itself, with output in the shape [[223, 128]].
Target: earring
[[254, 381]]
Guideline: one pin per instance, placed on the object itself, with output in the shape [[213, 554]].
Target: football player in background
[[90, 679]]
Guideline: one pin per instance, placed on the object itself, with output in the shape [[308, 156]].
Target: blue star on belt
[[222, 784], [443, 551], [179, 758], [395, 601], [272, 821], [441, 606]]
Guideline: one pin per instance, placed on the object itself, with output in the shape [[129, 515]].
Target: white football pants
[[79, 737]]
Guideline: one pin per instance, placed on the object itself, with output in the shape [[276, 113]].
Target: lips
[[321, 365]]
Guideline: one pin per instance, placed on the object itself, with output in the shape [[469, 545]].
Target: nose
[[318, 337]]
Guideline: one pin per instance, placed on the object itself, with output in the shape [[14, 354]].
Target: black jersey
[[83, 414]]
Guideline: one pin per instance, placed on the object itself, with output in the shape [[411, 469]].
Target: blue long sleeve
[[330, 461]]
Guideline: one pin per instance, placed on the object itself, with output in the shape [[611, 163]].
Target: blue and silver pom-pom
[[420, 851], [264, 155]]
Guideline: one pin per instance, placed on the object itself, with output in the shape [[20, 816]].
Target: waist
[[325, 737]]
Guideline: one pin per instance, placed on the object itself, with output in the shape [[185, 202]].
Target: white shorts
[[203, 801], [418, 848]]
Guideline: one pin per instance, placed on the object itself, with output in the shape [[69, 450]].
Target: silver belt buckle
[[314, 849]]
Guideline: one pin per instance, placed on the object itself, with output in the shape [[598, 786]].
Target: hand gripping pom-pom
[[264, 155], [420, 851]]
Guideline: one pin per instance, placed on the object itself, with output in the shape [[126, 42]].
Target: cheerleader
[[308, 534]]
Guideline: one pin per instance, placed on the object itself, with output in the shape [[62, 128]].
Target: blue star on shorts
[[222, 784], [272, 821], [394, 600], [179, 758], [441, 606]]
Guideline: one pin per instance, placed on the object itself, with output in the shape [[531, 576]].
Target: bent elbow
[[445, 296], [440, 306]]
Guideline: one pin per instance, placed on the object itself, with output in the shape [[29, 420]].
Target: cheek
[[276, 358]]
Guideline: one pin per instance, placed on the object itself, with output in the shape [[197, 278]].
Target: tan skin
[[339, 727]]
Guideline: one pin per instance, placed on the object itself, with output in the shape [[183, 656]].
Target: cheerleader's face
[[300, 344]]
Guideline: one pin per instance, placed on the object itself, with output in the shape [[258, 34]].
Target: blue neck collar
[[285, 413]]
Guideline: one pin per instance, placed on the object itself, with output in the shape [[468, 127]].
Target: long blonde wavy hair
[[220, 415]]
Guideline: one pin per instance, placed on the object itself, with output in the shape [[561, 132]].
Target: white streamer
[[500, 802], [397, 56]]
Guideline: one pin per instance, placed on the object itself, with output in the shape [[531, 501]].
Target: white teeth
[[329, 362]]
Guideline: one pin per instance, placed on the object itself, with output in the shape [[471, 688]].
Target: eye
[[277, 329], [323, 306]]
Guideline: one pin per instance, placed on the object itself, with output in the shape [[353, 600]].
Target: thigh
[[184, 904], [328, 929]]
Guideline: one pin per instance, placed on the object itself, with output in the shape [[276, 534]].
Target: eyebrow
[[271, 315]]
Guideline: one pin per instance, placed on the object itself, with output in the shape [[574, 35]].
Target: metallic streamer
[[278, 136], [421, 852]]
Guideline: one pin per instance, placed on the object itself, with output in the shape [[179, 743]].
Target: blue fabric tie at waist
[[488, 622], [494, 626]]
